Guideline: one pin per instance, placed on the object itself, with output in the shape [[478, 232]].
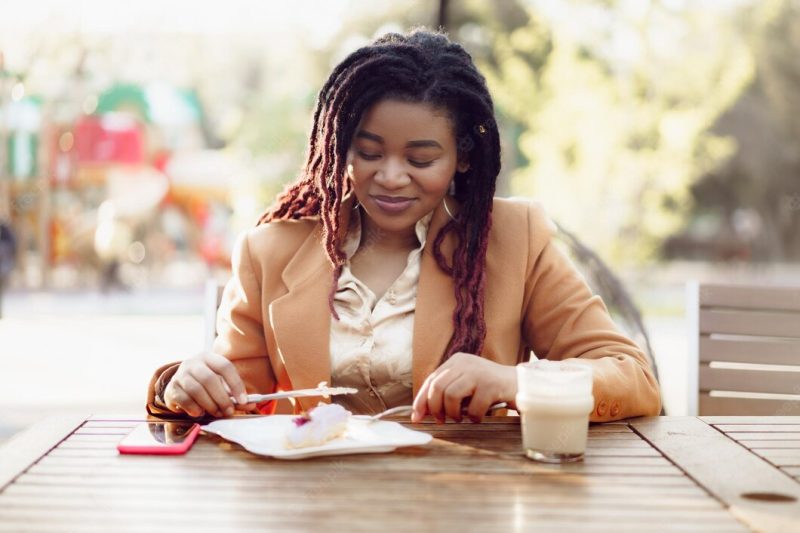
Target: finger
[[225, 368], [421, 402], [455, 392], [214, 387], [252, 406], [482, 399], [178, 400], [436, 392], [197, 392]]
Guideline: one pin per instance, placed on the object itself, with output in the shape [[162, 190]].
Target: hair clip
[[481, 129]]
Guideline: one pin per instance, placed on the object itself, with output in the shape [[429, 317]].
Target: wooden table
[[659, 473]]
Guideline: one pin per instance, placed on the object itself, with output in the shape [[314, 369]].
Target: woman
[[389, 266]]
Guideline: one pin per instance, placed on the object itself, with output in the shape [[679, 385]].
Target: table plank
[[767, 435], [454, 514], [516, 483], [726, 470], [27, 447], [774, 444], [749, 420], [356, 519], [759, 428]]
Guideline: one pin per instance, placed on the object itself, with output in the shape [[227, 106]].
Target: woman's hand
[[463, 376], [204, 384]]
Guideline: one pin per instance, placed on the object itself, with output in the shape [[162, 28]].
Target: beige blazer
[[274, 320]]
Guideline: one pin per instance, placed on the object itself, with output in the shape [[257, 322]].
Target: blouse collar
[[353, 239]]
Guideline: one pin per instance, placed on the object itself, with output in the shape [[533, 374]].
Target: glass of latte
[[554, 399]]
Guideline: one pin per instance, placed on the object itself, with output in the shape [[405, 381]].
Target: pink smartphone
[[160, 438]]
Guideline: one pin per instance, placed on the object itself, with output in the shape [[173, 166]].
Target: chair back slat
[[764, 350], [759, 323], [750, 297], [745, 380], [737, 331]]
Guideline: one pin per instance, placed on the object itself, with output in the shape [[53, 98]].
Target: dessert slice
[[321, 424]]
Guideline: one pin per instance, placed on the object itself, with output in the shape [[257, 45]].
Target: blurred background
[[138, 139]]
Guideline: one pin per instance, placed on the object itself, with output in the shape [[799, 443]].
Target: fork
[[407, 409]]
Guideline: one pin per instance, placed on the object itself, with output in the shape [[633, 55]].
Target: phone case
[[163, 449]]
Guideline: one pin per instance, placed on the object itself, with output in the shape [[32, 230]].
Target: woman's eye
[[374, 157], [368, 157]]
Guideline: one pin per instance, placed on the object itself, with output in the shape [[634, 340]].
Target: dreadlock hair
[[421, 67]]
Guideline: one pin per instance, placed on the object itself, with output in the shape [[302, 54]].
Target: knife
[[321, 390]]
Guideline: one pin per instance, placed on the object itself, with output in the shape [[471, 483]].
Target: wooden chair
[[603, 282], [212, 299], [744, 350]]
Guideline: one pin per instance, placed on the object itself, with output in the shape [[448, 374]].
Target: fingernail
[[229, 411]]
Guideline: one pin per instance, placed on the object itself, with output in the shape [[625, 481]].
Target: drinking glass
[[554, 399]]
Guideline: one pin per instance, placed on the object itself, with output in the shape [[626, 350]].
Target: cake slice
[[321, 424]]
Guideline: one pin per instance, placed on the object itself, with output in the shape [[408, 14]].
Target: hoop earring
[[356, 206], [447, 209]]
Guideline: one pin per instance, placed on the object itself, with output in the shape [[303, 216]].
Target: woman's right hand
[[204, 384]]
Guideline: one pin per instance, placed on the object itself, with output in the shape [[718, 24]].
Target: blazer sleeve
[[564, 320], [240, 334]]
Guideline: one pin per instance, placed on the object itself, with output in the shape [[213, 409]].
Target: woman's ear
[[463, 165], [349, 165]]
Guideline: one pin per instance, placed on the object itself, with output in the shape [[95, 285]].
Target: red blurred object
[[112, 138], [211, 248]]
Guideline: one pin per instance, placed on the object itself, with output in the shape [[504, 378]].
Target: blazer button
[[614, 409], [601, 408]]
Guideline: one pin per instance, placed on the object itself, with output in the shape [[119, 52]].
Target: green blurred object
[[24, 119], [124, 96], [156, 103], [22, 148]]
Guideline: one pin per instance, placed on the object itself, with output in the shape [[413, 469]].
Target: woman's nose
[[392, 175]]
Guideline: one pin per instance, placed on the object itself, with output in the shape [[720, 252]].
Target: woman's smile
[[392, 204]]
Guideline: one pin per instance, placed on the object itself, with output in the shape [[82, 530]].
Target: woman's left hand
[[463, 376]]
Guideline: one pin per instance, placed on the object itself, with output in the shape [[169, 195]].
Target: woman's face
[[401, 161]]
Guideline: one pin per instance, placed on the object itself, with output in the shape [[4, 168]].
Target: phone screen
[[159, 434]]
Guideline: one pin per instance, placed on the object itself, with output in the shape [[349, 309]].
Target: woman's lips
[[393, 204]]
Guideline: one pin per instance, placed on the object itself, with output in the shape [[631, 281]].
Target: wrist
[[510, 388]]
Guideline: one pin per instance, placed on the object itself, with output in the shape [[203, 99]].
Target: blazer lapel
[[301, 318], [433, 317]]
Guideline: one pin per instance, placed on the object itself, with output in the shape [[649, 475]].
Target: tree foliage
[[615, 105]]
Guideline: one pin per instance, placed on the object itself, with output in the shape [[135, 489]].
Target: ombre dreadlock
[[421, 67]]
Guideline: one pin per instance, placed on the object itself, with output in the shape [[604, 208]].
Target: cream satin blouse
[[371, 343]]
